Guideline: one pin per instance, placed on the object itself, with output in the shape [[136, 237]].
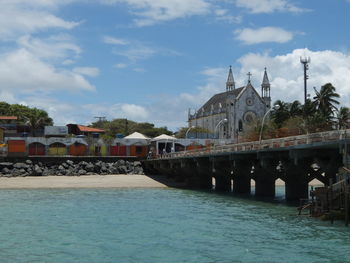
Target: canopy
[[136, 135], [135, 138], [164, 137]]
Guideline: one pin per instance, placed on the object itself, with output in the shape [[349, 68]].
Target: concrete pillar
[[204, 174], [222, 174], [222, 183], [175, 168], [330, 166], [242, 177], [265, 177], [164, 167], [149, 167], [297, 179], [265, 187], [187, 172]]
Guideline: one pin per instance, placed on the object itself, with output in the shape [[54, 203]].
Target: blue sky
[[152, 60]]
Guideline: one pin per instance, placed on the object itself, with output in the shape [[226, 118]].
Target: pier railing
[[276, 143]]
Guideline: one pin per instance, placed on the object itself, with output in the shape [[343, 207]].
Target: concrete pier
[[295, 163]]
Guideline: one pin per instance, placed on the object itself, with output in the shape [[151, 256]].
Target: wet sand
[[91, 181]]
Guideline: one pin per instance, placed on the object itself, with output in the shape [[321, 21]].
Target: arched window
[[240, 125]]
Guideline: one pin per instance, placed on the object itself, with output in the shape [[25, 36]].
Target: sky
[[153, 60]]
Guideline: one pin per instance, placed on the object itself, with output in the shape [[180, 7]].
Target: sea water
[[160, 225]]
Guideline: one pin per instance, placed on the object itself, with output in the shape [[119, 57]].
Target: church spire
[[265, 89], [230, 83]]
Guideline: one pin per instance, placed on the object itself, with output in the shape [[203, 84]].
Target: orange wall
[[193, 147], [77, 149], [142, 153], [16, 146]]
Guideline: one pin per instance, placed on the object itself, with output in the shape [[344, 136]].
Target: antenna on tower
[[100, 119], [305, 61]]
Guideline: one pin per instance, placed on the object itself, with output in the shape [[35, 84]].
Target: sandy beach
[[91, 181], [96, 181]]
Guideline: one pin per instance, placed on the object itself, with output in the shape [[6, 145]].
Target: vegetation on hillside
[[126, 127], [33, 117]]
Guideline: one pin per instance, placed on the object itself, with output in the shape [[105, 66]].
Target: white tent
[[164, 137], [136, 135], [135, 138], [166, 140]]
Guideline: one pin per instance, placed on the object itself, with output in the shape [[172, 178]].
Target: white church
[[226, 115]]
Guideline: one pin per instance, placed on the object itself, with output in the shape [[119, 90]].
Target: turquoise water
[[160, 225]]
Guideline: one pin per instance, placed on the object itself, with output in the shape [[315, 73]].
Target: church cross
[[249, 75]]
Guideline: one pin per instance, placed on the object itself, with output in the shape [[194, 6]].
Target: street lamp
[[276, 107], [220, 122], [192, 127]]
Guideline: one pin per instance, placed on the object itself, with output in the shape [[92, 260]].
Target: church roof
[[213, 104]]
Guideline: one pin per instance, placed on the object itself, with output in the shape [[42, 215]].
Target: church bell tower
[[230, 83], [265, 90]]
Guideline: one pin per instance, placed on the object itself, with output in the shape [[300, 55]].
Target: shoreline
[[99, 181], [85, 181]]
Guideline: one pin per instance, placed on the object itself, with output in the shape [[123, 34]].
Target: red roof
[[89, 129], [8, 118]]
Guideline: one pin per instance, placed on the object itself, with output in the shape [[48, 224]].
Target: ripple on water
[[160, 225]]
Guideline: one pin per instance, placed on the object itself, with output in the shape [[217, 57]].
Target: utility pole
[[126, 127], [305, 61], [100, 120]]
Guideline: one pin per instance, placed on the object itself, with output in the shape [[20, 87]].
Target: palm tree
[[326, 101], [343, 118], [295, 109], [37, 118], [280, 115]]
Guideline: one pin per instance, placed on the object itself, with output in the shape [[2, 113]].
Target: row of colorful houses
[[80, 140], [136, 144]]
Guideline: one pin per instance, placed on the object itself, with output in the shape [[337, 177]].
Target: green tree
[[295, 109], [326, 101], [280, 115], [4, 108], [126, 127], [36, 118], [343, 118]]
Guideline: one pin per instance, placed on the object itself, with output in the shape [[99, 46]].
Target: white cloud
[[286, 73], [120, 65], [87, 71], [150, 12], [23, 72], [136, 52], [140, 70], [134, 111], [251, 36], [24, 17], [53, 47], [114, 41], [268, 6]]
